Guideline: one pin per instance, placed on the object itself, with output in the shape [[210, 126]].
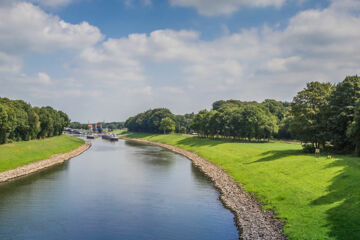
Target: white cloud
[[316, 45], [43, 78], [9, 63], [131, 3], [120, 77], [224, 7], [25, 27]]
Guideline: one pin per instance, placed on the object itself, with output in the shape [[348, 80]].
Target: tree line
[[109, 125], [322, 115], [243, 120], [160, 120], [327, 116], [232, 118], [20, 121]]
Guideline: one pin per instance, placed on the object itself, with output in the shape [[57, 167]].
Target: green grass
[[316, 197], [118, 131], [21, 153]]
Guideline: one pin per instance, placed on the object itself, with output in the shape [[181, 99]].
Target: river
[[116, 190]]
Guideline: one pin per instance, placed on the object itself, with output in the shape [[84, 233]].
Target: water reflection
[[199, 176], [14, 186], [121, 190]]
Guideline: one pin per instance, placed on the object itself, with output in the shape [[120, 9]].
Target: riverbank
[[315, 196], [23, 158], [251, 220]]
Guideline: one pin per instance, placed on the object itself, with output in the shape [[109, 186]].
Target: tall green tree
[[310, 113], [167, 125], [342, 109], [3, 124], [353, 131], [20, 121]]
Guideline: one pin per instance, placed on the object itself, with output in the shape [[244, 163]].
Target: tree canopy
[[310, 113], [167, 125], [322, 115], [20, 121]]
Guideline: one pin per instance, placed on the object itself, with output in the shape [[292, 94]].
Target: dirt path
[[251, 220], [39, 165]]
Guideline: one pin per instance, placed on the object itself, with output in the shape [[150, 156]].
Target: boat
[[90, 136], [111, 137]]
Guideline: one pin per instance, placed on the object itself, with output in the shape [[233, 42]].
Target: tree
[[341, 114], [277, 108], [255, 122], [148, 121], [309, 109], [20, 121], [3, 124], [353, 131], [167, 125]]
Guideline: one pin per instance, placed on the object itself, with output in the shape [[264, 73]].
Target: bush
[[308, 148]]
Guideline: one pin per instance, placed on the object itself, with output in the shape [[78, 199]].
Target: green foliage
[[322, 114], [149, 121], [78, 125], [353, 131], [167, 125], [21, 153], [316, 197], [237, 119], [109, 125], [20, 121], [327, 116], [308, 148], [342, 110], [183, 123], [309, 109]]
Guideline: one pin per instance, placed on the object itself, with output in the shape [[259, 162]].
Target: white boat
[[111, 137]]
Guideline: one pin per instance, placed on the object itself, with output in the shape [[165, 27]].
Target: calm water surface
[[121, 190]]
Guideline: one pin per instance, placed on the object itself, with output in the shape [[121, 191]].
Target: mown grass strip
[[317, 197], [21, 153]]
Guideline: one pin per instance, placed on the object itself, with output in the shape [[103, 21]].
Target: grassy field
[[118, 131], [317, 197], [20, 153]]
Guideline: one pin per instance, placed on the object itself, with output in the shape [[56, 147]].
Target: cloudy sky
[[109, 59]]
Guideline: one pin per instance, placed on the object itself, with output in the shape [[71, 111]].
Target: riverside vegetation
[[317, 196], [323, 116], [20, 122], [18, 154]]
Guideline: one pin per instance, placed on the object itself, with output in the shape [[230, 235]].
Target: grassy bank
[[317, 197], [20, 153]]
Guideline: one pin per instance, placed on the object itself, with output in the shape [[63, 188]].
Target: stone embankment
[[252, 221], [42, 164]]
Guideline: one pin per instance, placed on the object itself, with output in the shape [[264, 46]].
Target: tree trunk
[[357, 149]]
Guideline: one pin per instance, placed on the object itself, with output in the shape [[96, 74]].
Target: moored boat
[[90, 136], [111, 137]]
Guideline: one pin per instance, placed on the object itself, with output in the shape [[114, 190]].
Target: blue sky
[[117, 18], [106, 60]]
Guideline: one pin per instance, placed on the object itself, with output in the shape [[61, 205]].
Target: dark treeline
[[323, 116], [160, 120], [20, 121], [85, 126], [232, 118], [328, 116], [244, 120]]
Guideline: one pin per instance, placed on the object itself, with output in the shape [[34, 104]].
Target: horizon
[[109, 60]]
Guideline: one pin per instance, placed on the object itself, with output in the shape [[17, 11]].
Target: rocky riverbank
[[251, 220], [42, 164]]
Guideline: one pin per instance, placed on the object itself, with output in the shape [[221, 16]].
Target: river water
[[116, 190]]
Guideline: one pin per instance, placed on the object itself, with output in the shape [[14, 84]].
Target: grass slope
[[317, 197], [20, 153]]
